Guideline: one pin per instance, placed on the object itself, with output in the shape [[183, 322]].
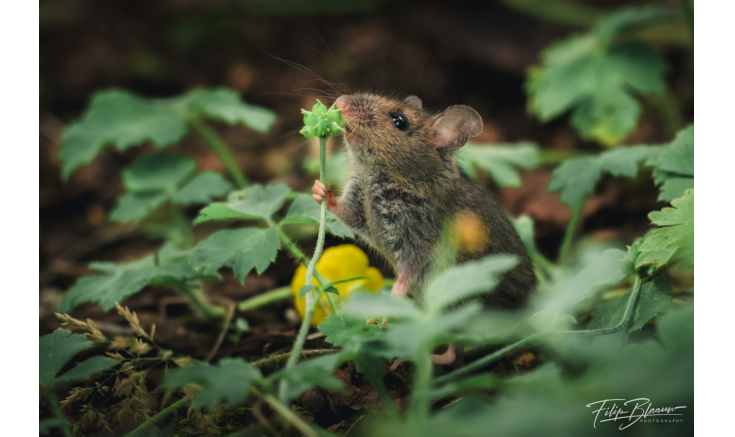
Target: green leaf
[[256, 201], [313, 373], [577, 177], [339, 330], [466, 281], [45, 426], [674, 165], [628, 18], [524, 226], [306, 289], [597, 269], [219, 211], [677, 237], [225, 105], [228, 381], [653, 300], [175, 266], [241, 249], [117, 282], [87, 368], [121, 118], [597, 83], [365, 304], [202, 189], [628, 265], [499, 161], [151, 180], [56, 349], [137, 206], [305, 211], [160, 171]]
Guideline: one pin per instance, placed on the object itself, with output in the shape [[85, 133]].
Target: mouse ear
[[414, 101], [455, 126]]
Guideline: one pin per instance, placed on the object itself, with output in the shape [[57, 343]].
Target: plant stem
[[571, 227], [310, 298], [627, 315], [193, 290], [322, 216], [419, 412], [57, 410], [260, 300], [286, 413], [305, 260], [181, 225], [624, 322], [219, 148], [274, 361], [490, 358], [160, 416]]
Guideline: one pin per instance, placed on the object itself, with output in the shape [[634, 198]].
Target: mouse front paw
[[320, 192]]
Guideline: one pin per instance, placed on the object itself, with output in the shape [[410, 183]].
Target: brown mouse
[[406, 193]]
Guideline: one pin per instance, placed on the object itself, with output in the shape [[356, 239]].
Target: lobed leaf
[[339, 330], [115, 283], [225, 105], [121, 118], [596, 270], [136, 206], [677, 235], [241, 249], [674, 165], [228, 381], [577, 177], [628, 18], [499, 161], [364, 304], [56, 349], [305, 211], [653, 300], [202, 189], [466, 281], [160, 171], [597, 82]]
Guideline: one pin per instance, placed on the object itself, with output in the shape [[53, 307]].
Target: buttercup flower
[[337, 263]]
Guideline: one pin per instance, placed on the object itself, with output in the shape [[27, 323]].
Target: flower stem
[[571, 227], [160, 416], [57, 410], [310, 298], [219, 148]]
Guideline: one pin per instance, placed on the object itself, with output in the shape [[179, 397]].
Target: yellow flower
[[337, 263]]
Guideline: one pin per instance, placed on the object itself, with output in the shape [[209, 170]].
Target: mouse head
[[399, 135]]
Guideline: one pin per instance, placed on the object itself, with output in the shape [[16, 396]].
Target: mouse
[[407, 197]]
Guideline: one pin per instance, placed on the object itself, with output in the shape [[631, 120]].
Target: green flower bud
[[320, 122]]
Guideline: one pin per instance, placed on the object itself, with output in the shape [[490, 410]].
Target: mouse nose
[[343, 102]]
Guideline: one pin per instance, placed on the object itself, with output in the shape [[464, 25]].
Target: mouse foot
[[447, 358], [397, 362]]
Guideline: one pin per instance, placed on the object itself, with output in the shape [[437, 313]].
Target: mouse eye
[[399, 121]]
